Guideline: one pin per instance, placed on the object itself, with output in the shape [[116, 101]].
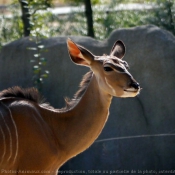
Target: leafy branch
[[36, 35]]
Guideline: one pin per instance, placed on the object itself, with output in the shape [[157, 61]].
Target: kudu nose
[[135, 85]]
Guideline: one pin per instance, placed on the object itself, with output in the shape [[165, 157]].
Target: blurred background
[[95, 18], [42, 19], [150, 50]]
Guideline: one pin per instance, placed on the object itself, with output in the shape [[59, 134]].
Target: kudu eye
[[108, 69]]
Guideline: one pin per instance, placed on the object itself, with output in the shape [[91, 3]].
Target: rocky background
[[151, 56]]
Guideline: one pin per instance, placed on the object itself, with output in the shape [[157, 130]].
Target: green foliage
[[11, 28], [38, 32], [105, 19], [38, 62], [164, 15], [35, 5], [108, 20]]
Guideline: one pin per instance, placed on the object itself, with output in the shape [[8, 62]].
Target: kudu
[[36, 138]]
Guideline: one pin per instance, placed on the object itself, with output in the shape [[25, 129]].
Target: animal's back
[[30, 94], [26, 139]]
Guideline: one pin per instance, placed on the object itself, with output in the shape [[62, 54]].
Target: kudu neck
[[77, 128]]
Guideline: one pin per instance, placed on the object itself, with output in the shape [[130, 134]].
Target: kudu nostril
[[135, 85]]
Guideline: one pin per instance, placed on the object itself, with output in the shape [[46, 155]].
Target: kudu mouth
[[134, 87]]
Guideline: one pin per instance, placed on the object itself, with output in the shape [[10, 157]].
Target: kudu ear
[[78, 54], [118, 49]]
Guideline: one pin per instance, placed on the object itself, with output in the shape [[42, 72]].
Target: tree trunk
[[25, 17], [89, 16]]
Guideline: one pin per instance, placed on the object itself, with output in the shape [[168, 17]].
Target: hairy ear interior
[[118, 49], [78, 54]]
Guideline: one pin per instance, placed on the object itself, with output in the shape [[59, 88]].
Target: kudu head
[[110, 71]]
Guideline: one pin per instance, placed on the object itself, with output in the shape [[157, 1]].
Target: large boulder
[[142, 128]]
